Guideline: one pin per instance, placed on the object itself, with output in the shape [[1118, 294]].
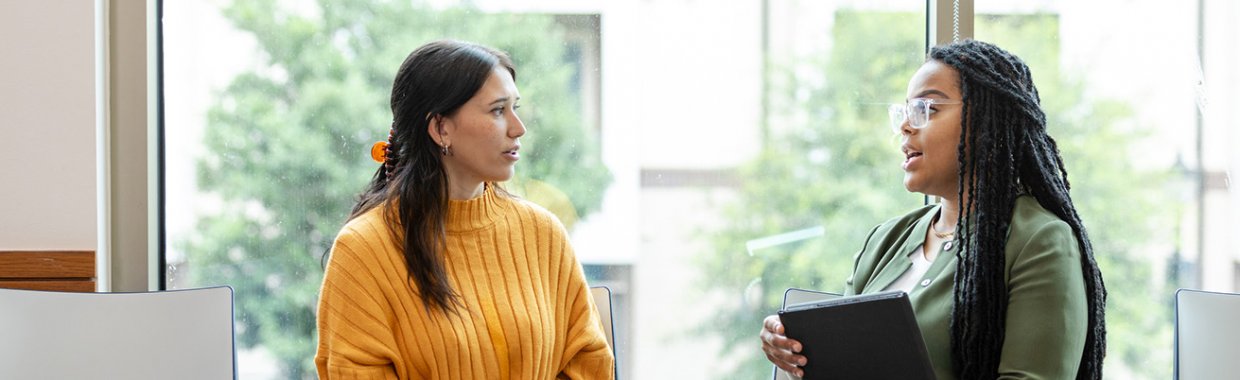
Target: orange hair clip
[[378, 152]]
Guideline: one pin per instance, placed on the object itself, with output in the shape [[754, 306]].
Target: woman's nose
[[906, 128], [516, 127]]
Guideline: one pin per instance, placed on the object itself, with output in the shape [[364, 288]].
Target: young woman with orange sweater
[[440, 273]]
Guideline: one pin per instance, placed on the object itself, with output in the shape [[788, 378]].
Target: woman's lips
[[911, 159]]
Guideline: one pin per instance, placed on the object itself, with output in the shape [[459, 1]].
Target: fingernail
[[800, 373], [801, 362], [796, 348]]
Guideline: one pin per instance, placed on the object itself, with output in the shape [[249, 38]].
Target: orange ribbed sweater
[[527, 310]]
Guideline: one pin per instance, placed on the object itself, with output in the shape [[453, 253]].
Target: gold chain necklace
[[940, 235]]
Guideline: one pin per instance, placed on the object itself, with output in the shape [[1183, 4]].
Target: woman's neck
[[949, 215], [458, 191]]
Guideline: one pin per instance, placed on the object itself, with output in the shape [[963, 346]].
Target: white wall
[[47, 125]]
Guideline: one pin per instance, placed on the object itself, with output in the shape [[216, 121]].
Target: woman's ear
[[437, 127]]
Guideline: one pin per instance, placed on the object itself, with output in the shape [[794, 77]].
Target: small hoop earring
[[445, 150]]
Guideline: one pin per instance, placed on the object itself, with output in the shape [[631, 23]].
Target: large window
[[1145, 141], [705, 156]]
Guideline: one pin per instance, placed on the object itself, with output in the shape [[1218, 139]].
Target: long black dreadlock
[[1008, 153]]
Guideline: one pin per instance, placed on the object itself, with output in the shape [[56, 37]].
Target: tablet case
[[871, 336], [793, 297]]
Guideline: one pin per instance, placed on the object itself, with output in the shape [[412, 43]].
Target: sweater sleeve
[[355, 332], [586, 353], [1046, 315]]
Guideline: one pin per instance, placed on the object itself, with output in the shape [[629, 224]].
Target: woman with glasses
[[441, 274], [1000, 272]]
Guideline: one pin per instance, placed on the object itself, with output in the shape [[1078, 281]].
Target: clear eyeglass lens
[[916, 112], [896, 113], [919, 113]]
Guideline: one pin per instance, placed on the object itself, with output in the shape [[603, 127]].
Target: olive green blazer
[[1047, 310]]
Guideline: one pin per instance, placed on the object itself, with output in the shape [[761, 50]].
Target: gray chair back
[[1207, 329], [178, 334]]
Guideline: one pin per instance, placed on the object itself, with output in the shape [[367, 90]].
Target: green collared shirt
[[1047, 314]]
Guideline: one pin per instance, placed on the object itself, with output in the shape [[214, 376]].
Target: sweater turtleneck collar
[[477, 213]]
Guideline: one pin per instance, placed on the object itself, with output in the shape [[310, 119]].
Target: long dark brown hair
[[1008, 153], [434, 81]]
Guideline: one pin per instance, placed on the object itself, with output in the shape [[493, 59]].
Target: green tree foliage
[[839, 168], [288, 145]]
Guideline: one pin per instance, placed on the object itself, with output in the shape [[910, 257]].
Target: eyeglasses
[[916, 112]]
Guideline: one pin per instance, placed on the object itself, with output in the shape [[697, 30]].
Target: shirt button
[[947, 246], [925, 282]]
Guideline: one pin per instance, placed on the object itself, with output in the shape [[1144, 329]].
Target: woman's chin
[[910, 184], [502, 176]]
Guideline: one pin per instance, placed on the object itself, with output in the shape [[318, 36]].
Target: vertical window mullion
[[944, 24]]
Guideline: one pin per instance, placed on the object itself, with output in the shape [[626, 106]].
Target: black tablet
[[796, 296], [870, 336]]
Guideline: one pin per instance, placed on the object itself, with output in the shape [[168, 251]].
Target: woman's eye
[[516, 107], [498, 111]]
